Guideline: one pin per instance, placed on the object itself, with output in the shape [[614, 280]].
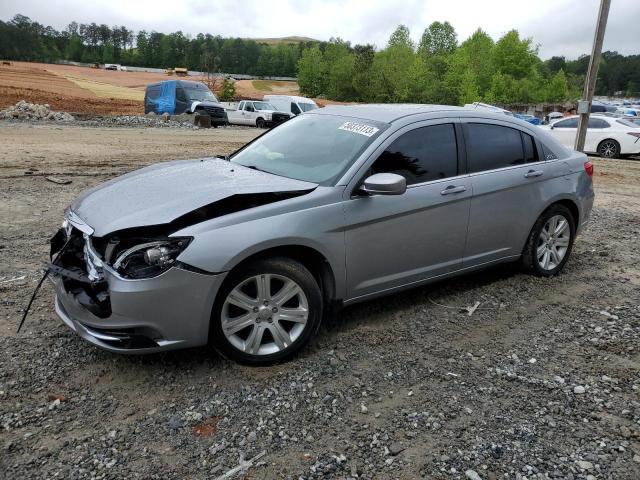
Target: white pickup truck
[[256, 113]]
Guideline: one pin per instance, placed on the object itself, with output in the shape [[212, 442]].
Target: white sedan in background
[[607, 136]]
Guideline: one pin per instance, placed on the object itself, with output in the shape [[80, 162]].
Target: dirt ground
[[540, 382], [102, 92]]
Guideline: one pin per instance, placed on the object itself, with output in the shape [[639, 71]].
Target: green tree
[[558, 89], [513, 56], [555, 63], [477, 53], [311, 75], [74, 48], [228, 91], [108, 53], [438, 38], [389, 71], [468, 91], [401, 37], [362, 63]]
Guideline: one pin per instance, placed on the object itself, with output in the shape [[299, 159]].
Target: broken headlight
[[149, 259]]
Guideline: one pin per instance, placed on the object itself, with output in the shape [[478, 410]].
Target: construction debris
[[57, 181], [244, 465], [33, 111]]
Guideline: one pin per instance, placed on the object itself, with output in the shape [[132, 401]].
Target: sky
[[558, 27]]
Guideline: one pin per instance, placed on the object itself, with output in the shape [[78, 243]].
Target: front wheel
[[266, 312], [550, 242], [609, 149], [260, 123]]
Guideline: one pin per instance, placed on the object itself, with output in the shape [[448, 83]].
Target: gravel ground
[[540, 382]]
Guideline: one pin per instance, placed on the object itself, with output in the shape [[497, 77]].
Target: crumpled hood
[[158, 194]]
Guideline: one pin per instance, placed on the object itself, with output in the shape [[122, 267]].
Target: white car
[[291, 103], [257, 114], [607, 136]]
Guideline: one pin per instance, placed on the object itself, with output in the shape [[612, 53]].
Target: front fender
[[221, 248]]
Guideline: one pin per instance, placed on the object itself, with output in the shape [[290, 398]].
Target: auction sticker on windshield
[[361, 128]]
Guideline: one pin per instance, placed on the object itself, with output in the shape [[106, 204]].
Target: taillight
[[634, 134], [588, 167]]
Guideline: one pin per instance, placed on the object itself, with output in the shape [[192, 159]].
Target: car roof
[[391, 112], [178, 82], [295, 98]]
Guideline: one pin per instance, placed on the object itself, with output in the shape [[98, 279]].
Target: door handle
[[453, 189], [533, 173]]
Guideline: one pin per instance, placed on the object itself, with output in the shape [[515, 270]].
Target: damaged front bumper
[[169, 311], [166, 312]]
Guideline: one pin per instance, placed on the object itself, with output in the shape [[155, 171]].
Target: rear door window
[[493, 146], [421, 155]]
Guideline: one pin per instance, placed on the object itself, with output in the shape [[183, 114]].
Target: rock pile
[[33, 111], [140, 121]]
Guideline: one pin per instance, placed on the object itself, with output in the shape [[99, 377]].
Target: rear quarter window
[[547, 153]]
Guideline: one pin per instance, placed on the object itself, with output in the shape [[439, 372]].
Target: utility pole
[[584, 106]]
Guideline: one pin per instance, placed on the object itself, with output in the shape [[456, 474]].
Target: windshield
[[263, 106], [307, 107], [313, 148], [200, 94]]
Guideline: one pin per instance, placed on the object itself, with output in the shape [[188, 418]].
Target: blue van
[[181, 96]]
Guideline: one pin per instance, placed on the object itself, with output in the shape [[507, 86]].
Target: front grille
[[81, 279], [217, 112]]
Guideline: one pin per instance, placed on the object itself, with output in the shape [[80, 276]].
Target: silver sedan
[[339, 205]]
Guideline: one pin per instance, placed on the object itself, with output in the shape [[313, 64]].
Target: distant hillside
[[288, 40]]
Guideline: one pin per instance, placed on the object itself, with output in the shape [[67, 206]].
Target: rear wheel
[[260, 123], [550, 242], [609, 149], [266, 312]]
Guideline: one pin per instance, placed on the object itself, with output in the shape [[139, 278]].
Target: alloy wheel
[[553, 242], [264, 314], [608, 149]]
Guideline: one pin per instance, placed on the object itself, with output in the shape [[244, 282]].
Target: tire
[[548, 259], [260, 123], [609, 149], [248, 328]]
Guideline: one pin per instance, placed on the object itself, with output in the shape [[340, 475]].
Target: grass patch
[[263, 85], [106, 90]]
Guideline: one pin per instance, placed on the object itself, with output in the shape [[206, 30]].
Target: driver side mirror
[[385, 184]]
